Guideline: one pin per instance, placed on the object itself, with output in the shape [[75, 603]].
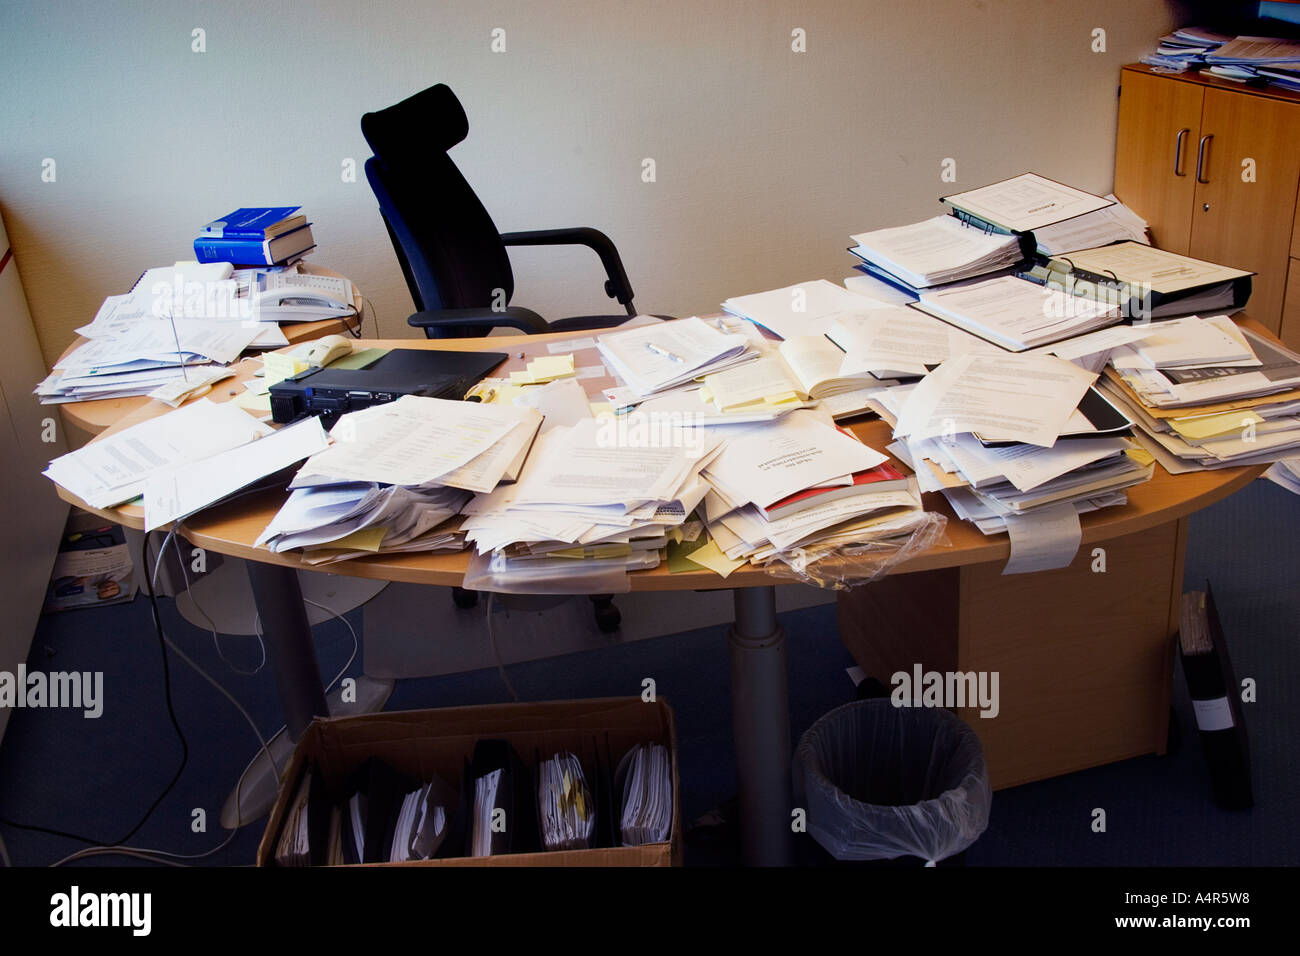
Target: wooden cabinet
[[1214, 168], [1159, 125], [1291, 308]]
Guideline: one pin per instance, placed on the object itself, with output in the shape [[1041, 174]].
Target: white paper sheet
[[194, 485], [769, 462], [1023, 398], [1046, 539]]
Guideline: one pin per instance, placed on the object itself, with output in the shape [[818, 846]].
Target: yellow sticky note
[[253, 401], [550, 367], [1207, 426], [506, 394], [280, 366], [601, 408], [1140, 455], [785, 398], [711, 557], [522, 378], [366, 539]]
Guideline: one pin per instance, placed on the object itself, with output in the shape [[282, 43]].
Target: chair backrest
[[449, 248]]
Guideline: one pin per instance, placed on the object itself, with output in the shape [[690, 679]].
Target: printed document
[[1022, 398]]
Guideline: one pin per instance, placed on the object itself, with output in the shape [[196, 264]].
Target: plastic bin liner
[[880, 781]]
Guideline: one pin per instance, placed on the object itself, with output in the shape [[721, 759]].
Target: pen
[[664, 352]]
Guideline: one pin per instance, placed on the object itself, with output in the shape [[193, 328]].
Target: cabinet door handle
[[1200, 156], [1178, 152]]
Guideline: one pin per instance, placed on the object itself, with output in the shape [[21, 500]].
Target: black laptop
[[330, 392]]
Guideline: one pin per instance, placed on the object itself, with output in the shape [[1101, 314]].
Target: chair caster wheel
[[464, 599], [608, 617]]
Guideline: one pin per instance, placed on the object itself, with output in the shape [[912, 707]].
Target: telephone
[[298, 304]]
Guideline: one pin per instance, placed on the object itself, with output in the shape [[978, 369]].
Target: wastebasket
[[880, 782]]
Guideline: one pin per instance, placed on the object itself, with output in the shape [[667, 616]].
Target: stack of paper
[[169, 330], [485, 803], [808, 308], [598, 496], [1286, 474], [566, 814], [655, 358], [645, 780], [1185, 48], [294, 845], [396, 473], [1204, 393], [336, 522], [936, 251], [801, 487], [421, 823], [115, 469], [1115, 223], [986, 430]]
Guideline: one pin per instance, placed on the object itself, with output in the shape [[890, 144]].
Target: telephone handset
[[298, 304]]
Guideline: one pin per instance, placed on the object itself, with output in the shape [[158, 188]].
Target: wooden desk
[[95, 417], [1085, 658]]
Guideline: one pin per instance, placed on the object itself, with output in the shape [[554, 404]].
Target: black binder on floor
[[1216, 698]]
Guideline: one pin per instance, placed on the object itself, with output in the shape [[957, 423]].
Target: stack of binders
[[562, 800]]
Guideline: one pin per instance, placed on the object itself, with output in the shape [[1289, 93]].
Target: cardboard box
[[421, 743]]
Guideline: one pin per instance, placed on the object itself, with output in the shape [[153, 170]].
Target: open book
[[800, 368]]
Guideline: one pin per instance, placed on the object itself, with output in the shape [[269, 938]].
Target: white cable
[[356, 641], [216, 642], [144, 852], [492, 640], [153, 855]]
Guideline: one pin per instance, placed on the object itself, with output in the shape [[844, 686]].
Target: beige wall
[[766, 159]]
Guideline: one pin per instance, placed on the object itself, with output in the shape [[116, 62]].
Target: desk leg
[[760, 718], [289, 647]]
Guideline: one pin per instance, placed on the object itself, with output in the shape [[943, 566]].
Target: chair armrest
[[617, 285], [514, 317]]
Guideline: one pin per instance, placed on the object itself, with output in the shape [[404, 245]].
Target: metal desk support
[[760, 719]]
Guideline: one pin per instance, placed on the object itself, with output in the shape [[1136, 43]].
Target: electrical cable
[[216, 642], [152, 855], [374, 315], [492, 640], [171, 713]]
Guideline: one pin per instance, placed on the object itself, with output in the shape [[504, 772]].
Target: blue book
[[255, 222], [254, 252]]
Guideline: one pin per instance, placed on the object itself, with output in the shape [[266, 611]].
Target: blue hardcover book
[[255, 222], [254, 251]]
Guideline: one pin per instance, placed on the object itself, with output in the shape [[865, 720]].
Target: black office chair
[[454, 259]]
